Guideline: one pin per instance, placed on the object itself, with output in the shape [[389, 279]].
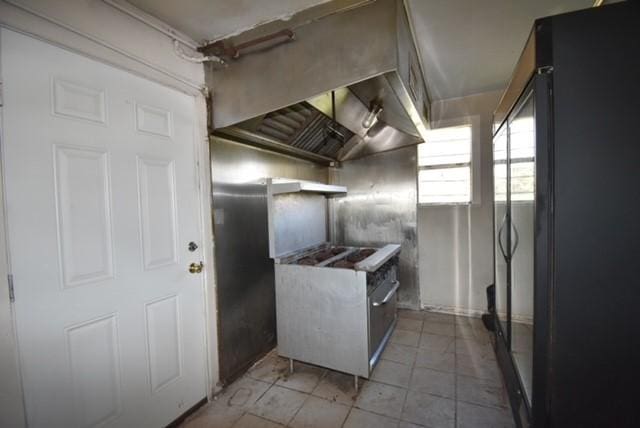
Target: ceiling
[[470, 46], [207, 20], [467, 46]]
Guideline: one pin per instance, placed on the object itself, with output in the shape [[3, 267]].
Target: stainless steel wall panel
[[299, 221], [246, 312], [381, 208], [244, 271], [233, 162], [385, 138]]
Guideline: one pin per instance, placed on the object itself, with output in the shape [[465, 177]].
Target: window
[[444, 166], [522, 162]]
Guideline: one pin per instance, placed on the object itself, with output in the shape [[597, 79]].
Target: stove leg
[[355, 382], [290, 365]]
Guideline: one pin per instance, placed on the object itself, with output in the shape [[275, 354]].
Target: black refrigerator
[[566, 159]]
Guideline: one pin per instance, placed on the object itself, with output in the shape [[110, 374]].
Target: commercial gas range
[[335, 305]]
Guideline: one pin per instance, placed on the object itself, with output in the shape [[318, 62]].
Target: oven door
[[382, 315]]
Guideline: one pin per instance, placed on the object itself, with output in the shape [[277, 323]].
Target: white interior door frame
[[12, 408], [206, 216]]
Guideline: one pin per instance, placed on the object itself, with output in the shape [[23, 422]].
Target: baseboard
[[474, 313], [453, 310], [407, 306]]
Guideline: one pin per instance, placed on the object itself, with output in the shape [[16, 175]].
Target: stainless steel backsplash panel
[[233, 162], [299, 221], [381, 208]]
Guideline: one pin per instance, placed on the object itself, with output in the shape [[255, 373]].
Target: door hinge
[[12, 294]]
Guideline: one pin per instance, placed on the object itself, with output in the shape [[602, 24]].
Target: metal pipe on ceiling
[[197, 59], [228, 49]]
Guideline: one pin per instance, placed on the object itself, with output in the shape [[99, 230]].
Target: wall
[[456, 242], [98, 30], [380, 208]]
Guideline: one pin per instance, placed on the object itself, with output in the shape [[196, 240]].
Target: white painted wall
[[95, 29], [455, 243], [98, 30]]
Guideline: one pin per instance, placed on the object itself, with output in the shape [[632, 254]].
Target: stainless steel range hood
[[365, 55], [300, 130], [307, 130]]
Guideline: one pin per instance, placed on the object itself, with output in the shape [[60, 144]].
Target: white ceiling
[[467, 46], [206, 20], [471, 46]]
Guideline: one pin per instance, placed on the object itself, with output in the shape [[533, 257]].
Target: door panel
[[95, 370], [522, 191], [157, 199], [84, 230], [102, 200], [500, 225]]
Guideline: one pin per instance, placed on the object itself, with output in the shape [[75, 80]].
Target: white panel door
[[102, 202]]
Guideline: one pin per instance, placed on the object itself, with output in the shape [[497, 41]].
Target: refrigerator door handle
[[517, 239], [504, 219]]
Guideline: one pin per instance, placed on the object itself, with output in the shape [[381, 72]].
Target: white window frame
[[474, 162]]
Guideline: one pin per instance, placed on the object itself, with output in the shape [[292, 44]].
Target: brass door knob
[[196, 267]]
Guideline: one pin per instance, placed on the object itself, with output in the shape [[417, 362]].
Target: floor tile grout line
[[309, 395], [347, 417], [373, 412], [486, 406], [440, 370], [273, 383], [413, 390], [288, 388], [413, 365], [298, 411], [406, 392], [260, 417], [270, 386]]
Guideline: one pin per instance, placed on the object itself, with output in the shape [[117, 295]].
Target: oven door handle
[[396, 285]]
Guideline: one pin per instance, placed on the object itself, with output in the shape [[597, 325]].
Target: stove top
[[335, 257]]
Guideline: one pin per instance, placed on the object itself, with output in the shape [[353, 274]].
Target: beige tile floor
[[437, 371]]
